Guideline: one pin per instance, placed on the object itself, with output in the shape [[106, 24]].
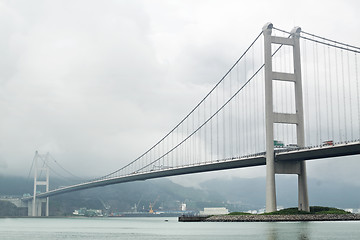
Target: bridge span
[[320, 152]]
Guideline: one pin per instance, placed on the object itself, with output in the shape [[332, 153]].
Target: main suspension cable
[[329, 40], [221, 80]]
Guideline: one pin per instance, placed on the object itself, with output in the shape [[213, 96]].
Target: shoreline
[[272, 218]]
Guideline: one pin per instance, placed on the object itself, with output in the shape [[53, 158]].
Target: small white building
[[214, 211], [183, 207]]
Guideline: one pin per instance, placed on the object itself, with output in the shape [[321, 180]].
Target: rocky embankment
[[283, 218], [272, 218]]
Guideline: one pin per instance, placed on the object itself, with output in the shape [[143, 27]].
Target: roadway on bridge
[[321, 152]]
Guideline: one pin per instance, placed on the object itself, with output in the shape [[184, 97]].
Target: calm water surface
[[158, 228]]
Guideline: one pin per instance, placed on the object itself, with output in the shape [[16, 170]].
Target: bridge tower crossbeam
[[273, 167]]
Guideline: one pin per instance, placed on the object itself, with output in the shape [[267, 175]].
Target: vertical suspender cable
[[283, 99], [194, 139], [289, 97], [315, 95], [257, 109], [252, 114], [357, 93], [205, 135], [172, 145], [178, 151], [318, 91], [306, 82], [331, 98], [217, 124], [181, 149], [337, 94], [247, 134], [245, 110], [243, 120], [292, 97], [230, 116], [254, 99], [163, 152], [326, 95], [343, 83], [251, 136], [224, 122], [350, 100], [211, 132], [188, 142], [237, 113], [199, 157], [199, 137]]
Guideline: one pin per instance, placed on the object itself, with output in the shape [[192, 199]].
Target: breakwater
[[272, 218], [193, 218]]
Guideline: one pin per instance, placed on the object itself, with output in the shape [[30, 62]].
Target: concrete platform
[[272, 218]]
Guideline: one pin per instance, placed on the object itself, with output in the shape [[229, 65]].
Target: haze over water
[[159, 228]]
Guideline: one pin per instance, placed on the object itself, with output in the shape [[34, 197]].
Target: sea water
[[170, 229]]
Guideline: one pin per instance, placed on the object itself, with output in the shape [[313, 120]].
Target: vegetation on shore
[[239, 213], [295, 211], [9, 209]]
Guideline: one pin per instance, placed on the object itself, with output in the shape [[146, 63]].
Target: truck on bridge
[[278, 144]]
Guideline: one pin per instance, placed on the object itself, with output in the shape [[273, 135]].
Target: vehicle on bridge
[[292, 146], [328, 143], [278, 144]]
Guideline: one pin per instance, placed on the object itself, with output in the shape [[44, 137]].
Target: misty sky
[[96, 83]]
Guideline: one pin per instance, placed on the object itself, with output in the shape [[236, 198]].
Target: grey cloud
[[97, 83]]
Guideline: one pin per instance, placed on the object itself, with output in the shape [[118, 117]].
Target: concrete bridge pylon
[[39, 180], [297, 118]]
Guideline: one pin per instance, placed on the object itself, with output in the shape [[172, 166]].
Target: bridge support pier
[[297, 118], [37, 212], [303, 191], [298, 168]]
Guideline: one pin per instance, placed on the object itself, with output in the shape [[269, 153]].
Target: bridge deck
[[321, 152]]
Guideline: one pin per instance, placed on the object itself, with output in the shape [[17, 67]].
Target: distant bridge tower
[[41, 178], [272, 117]]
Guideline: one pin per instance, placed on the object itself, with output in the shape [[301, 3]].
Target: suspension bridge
[[290, 97]]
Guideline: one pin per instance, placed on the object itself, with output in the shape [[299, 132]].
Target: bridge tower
[[40, 180], [273, 167]]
